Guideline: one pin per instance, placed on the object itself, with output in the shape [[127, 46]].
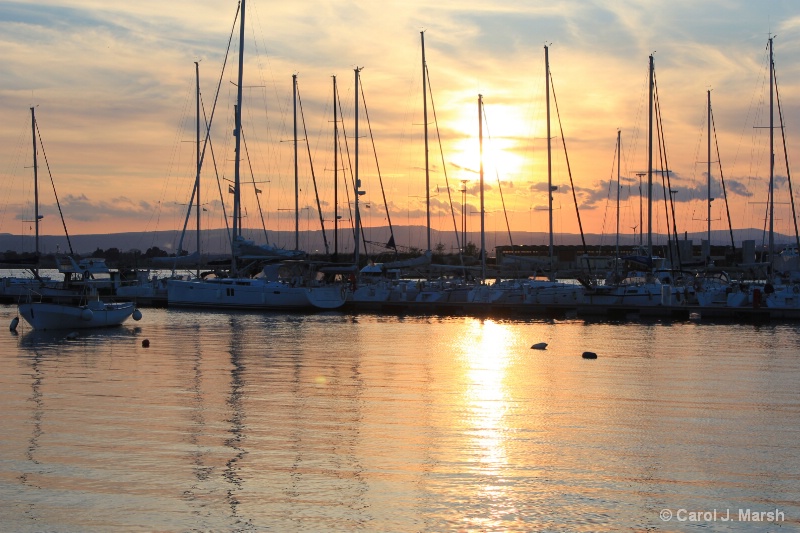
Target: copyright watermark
[[721, 515]]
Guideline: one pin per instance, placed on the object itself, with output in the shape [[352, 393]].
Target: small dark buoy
[[589, 355], [14, 324], [145, 343], [539, 346]]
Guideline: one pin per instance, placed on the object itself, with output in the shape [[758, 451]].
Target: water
[[336, 422]]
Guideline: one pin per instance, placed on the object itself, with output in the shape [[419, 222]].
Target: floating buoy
[[137, 315], [14, 324], [72, 336], [145, 343], [589, 355], [86, 315], [539, 346]]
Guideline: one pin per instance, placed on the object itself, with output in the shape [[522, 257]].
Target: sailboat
[[269, 289], [779, 293], [90, 312], [543, 292], [377, 285]]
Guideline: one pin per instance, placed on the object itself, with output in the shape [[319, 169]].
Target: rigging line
[[313, 176], [665, 162], [786, 157], [208, 136], [722, 179], [58, 204], [569, 171], [608, 195], [669, 204], [377, 166], [257, 191], [352, 178], [665, 188], [444, 169], [219, 181], [353, 184], [499, 186]]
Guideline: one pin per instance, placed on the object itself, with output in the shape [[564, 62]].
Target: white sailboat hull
[[246, 293]]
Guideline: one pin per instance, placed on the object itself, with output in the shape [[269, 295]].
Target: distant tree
[[112, 254], [155, 251], [471, 249]]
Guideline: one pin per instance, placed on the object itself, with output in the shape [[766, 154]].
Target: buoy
[[539, 346], [72, 336], [86, 315], [589, 355], [14, 324], [137, 315], [145, 343]]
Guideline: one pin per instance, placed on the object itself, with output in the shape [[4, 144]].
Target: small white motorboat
[[93, 314]]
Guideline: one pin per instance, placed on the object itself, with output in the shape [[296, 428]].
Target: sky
[[113, 87]]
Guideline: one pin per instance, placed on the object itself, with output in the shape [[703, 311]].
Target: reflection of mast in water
[[236, 420], [201, 469], [37, 400]]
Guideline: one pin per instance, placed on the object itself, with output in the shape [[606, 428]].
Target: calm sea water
[[337, 422]]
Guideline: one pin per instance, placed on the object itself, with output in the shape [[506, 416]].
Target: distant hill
[[215, 241]]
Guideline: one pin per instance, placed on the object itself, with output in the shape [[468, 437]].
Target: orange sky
[[113, 88]]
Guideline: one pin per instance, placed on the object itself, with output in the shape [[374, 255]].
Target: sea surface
[[341, 422]]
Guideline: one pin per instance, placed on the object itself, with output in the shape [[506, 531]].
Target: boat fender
[[539, 346], [589, 355], [86, 315], [343, 292], [137, 315], [14, 324]]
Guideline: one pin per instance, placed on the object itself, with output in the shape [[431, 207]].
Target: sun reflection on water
[[488, 355]]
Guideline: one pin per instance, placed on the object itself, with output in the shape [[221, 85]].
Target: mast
[[197, 153], [425, 124], [549, 155], [619, 146], [335, 175], [771, 160], [483, 227], [35, 189], [357, 179], [238, 134], [296, 178], [708, 231], [650, 162]]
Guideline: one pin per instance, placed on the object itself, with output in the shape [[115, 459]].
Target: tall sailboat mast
[[619, 158], [549, 156], [483, 212], [335, 174], [708, 180], [35, 189], [425, 125], [197, 153], [238, 134], [650, 160], [358, 193], [771, 158], [296, 175]]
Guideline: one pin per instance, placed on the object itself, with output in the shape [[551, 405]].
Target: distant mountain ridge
[[215, 241]]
